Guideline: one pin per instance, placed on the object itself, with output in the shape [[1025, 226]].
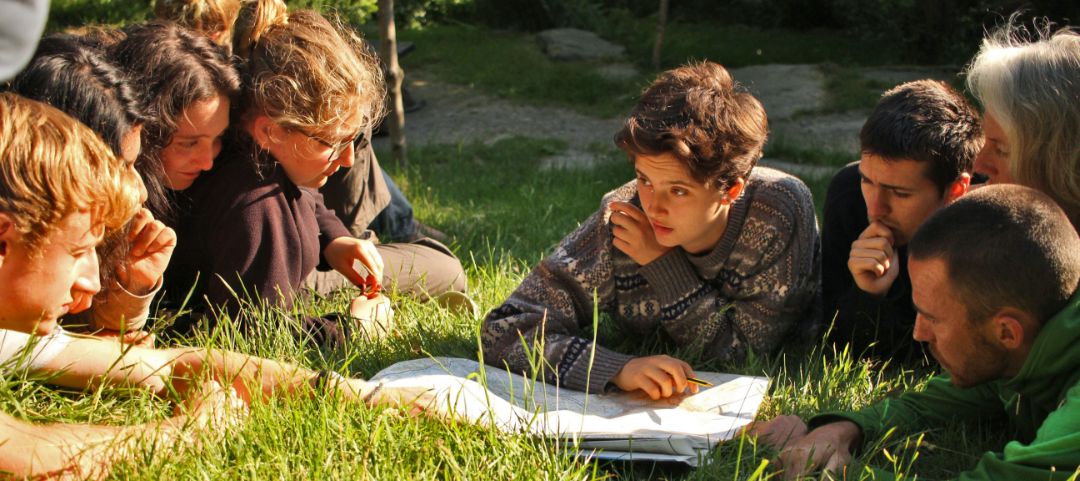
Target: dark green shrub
[[78, 13]]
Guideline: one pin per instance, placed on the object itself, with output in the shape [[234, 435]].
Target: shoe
[[374, 318], [421, 231]]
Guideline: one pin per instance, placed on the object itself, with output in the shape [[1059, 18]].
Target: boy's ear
[[7, 234], [735, 190], [958, 187]]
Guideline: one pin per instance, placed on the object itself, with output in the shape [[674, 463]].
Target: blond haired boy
[[61, 188]]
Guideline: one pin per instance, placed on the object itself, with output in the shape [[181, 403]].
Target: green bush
[[78, 13]]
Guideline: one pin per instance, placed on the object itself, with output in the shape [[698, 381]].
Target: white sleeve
[[19, 350]]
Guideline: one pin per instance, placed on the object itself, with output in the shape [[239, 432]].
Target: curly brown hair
[[305, 71], [699, 114]]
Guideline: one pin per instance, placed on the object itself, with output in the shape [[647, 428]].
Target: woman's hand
[[634, 235], [152, 245], [343, 252]]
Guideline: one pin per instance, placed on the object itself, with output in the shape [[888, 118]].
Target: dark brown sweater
[[248, 231]]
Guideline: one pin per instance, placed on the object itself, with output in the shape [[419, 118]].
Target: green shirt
[[1041, 404]]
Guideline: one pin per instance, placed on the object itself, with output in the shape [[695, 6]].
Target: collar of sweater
[[1053, 364]]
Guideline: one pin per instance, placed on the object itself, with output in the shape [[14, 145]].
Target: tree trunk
[[661, 24], [394, 77]]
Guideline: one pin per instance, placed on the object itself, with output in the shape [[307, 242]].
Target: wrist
[[141, 287], [844, 432]]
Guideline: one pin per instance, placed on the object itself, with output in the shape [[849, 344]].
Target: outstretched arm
[[87, 362], [82, 451], [541, 317]]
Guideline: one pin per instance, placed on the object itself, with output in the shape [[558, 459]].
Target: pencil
[[699, 382]]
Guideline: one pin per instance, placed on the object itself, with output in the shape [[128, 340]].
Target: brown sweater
[[251, 225], [757, 287]]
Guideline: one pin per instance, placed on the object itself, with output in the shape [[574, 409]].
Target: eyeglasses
[[358, 141]]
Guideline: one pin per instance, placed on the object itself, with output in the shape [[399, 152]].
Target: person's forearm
[[252, 377], [77, 451]]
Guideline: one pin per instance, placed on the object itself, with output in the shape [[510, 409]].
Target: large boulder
[[575, 44]]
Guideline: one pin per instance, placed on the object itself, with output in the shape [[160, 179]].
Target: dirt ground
[[461, 114]]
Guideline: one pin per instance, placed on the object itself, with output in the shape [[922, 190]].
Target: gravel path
[[462, 114]]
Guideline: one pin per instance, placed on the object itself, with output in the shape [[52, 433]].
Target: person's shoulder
[[776, 191], [622, 193]]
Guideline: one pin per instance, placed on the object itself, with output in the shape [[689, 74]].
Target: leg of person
[[395, 222], [424, 269]]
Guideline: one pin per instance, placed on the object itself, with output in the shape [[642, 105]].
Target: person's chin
[[45, 327], [182, 183]]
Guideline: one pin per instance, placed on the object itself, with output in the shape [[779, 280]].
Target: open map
[[609, 426]]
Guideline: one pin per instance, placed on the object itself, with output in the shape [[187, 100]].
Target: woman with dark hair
[[68, 73], [311, 93], [189, 85]]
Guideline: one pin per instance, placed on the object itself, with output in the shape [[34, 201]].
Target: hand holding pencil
[[658, 376]]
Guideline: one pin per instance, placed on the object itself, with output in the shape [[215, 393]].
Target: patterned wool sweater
[[755, 289]]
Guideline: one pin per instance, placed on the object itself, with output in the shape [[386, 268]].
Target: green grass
[[846, 90], [511, 65], [504, 212]]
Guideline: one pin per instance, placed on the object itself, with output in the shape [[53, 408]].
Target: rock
[[784, 89], [835, 132], [575, 44], [571, 159], [801, 170]]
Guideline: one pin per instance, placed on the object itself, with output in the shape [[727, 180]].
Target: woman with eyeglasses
[[255, 226]]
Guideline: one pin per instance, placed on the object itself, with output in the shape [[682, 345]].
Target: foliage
[[80, 13]]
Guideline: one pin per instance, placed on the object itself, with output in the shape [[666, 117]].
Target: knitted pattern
[[757, 287]]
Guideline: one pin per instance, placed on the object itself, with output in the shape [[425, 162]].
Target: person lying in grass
[[61, 190], [703, 249], [69, 73], [918, 146], [256, 224], [994, 279]]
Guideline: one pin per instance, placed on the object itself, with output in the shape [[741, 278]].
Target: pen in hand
[[699, 382]]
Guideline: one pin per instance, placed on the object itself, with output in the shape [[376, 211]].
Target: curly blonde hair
[[304, 71], [52, 166], [213, 18]]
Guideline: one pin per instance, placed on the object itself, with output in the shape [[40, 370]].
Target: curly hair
[[304, 71], [52, 166], [699, 114]]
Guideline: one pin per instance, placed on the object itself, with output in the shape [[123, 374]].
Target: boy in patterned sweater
[[701, 249]]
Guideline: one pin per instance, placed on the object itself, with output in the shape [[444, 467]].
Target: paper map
[[608, 426]]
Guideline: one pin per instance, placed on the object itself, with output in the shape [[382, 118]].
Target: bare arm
[[82, 451], [88, 362]]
